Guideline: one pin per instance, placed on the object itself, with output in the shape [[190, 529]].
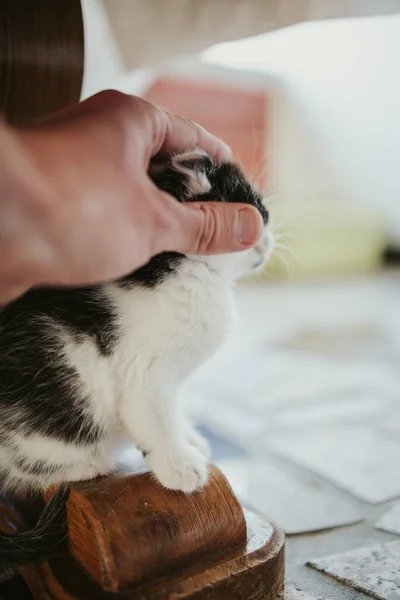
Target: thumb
[[216, 228]]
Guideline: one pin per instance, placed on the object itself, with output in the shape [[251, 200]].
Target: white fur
[[165, 334]]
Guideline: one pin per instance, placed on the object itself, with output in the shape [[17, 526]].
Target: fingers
[[208, 228], [182, 135], [162, 132], [10, 292], [216, 228], [170, 133]]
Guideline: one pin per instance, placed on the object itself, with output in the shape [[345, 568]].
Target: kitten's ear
[[197, 164], [194, 161]]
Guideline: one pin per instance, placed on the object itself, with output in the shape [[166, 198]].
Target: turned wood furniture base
[[130, 538]]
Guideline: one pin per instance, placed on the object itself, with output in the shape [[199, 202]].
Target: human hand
[[78, 207]]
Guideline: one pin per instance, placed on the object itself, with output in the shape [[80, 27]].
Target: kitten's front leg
[[174, 451], [197, 440]]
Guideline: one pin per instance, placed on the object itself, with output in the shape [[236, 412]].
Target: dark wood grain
[[41, 57], [130, 538]]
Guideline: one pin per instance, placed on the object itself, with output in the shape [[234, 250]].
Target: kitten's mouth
[[265, 245], [259, 263], [263, 249]]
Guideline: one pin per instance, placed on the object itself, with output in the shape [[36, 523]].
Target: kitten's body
[[111, 390], [83, 371]]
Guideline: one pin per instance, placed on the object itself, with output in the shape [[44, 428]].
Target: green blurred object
[[325, 241]]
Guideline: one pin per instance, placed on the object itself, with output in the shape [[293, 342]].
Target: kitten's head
[[193, 177]]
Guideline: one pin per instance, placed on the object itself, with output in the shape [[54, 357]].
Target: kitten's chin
[[261, 252], [259, 265], [231, 267]]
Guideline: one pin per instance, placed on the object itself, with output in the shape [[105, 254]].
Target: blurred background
[[302, 404]]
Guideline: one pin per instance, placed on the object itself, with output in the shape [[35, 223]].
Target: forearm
[[22, 202]]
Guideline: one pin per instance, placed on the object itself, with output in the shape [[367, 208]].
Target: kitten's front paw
[[184, 469]]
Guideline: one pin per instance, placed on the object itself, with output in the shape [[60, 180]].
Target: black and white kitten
[[85, 370]]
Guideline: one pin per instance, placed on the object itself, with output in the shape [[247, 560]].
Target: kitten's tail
[[49, 537]]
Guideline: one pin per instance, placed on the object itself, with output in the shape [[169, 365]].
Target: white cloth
[[148, 32]]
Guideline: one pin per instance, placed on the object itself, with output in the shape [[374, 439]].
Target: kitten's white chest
[[174, 328]]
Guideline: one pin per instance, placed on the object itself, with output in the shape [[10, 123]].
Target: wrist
[[22, 208]]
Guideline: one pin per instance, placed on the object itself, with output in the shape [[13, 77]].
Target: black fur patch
[[81, 310], [33, 374], [154, 272]]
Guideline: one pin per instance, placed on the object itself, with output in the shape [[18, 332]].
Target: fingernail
[[249, 227]]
